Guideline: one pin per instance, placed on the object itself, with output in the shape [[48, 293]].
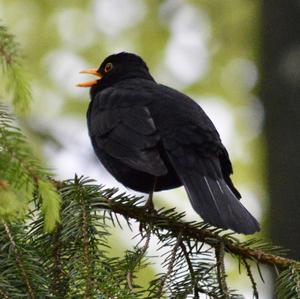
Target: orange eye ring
[[108, 67]]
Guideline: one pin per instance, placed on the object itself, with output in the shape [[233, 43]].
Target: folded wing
[[127, 134]]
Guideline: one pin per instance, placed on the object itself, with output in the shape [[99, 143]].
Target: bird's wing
[[126, 132], [194, 154], [193, 127], [226, 168]]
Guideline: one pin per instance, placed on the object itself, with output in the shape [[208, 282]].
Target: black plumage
[[147, 134]]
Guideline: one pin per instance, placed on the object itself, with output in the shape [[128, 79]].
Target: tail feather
[[214, 201]]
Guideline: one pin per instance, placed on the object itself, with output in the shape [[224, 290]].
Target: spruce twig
[[58, 274], [220, 252], [190, 231], [191, 270], [170, 266], [18, 258], [14, 76], [250, 275], [142, 253], [75, 250]]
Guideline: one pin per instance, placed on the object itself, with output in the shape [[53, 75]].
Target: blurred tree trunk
[[281, 96]]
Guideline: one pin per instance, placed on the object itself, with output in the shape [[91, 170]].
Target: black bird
[[151, 137]]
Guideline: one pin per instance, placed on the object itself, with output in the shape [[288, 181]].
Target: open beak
[[90, 83]]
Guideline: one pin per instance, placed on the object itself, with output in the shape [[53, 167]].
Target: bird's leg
[[149, 204]]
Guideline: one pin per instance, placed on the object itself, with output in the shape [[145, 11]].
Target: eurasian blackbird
[[151, 137]]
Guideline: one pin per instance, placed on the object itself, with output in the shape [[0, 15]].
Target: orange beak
[[90, 83]]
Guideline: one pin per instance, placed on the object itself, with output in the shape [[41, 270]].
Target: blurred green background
[[209, 49]]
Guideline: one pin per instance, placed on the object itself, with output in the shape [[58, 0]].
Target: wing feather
[[200, 171], [128, 134]]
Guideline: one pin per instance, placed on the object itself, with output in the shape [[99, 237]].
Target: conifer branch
[[9, 49], [19, 263], [57, 271], [199, 233], [191, 270], [86, 250], [14, 76], [220, 253], [14, 155], [23, 171], [74, 251], [250, 275], [288, 283], [141, 254], [170, 266]]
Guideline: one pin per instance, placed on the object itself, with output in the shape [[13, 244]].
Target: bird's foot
[[149, 205]]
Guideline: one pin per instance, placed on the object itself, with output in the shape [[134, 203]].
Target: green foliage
[[22, 273], [288, 283], [21, 174], [10, 206], [13, 76], [73, 261], [50, 204]]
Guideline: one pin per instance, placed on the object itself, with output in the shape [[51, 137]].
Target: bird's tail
[[214, 201]]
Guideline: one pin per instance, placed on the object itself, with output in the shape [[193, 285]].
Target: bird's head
[[115, 68]]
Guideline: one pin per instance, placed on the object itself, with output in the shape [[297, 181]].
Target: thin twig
[[249, 273], [220, 252], [191, 269], [19, 262], [129, 278], [197, 289], [170, 266], [143, 251]]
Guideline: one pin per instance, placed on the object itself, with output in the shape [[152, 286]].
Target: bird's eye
[[108, 67]]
